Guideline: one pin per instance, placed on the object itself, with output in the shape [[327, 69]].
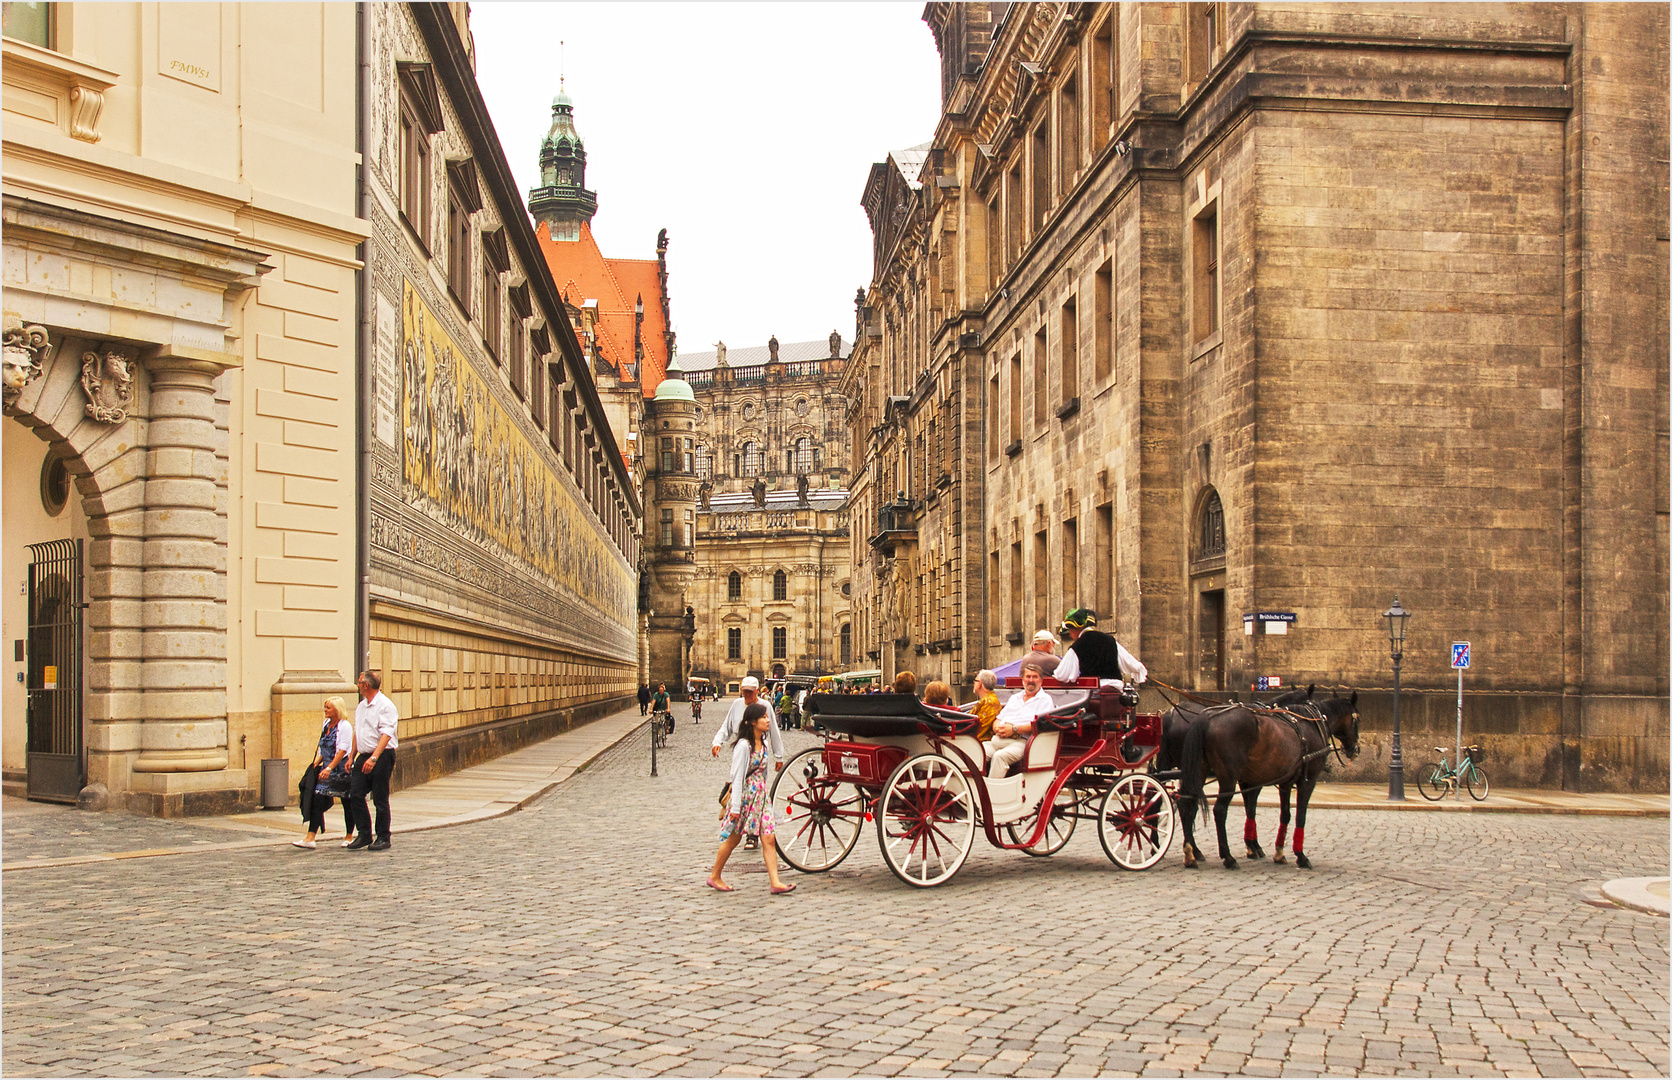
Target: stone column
[[183, 610]]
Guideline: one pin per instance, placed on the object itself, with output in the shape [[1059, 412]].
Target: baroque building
[[1210, 316], [280, 408], [760, 531]]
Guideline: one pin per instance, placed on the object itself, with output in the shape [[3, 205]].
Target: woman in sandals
[[751, 809], [336, 750]]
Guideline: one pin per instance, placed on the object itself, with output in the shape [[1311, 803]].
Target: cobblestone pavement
[[46, 831], [577, 938]]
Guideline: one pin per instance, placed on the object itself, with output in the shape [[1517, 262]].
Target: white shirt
[[1068, 668], [345, 741], [1022, 710], [373, 719], [734, 720]]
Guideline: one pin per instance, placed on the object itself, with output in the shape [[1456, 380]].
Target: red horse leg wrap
[[1249, 832], [1300, 838], [1283, 833]]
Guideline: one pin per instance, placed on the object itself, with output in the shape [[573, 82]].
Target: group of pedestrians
[[355, 758]]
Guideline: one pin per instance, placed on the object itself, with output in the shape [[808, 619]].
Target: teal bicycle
[[1436, 780]]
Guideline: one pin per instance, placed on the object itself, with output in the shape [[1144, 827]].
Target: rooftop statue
[[720, 353]]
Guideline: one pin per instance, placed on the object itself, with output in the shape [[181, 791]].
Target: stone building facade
[[248, 456], [757, 535], [1220, 309]]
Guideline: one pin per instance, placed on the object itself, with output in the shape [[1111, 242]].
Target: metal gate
[[56, 771]]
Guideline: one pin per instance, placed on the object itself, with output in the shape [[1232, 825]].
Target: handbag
[[305, 791], [334, 784]]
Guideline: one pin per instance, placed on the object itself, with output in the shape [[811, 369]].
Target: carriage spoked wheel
[[1137, 822], [817, 817], [1061, 826], [926, 820]]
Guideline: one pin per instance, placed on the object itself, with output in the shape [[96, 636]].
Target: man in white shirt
[[1094, 654], [1016, 723], [749, 692], [374, 726]]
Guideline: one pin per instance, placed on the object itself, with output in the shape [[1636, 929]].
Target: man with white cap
[[1041, 655], [749, 692]]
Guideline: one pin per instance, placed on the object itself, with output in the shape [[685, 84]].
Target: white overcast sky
[[745, 130]]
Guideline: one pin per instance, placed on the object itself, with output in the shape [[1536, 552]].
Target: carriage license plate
[[850, 764]]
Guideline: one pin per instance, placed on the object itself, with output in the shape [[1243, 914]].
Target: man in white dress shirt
[[749, 692], [1016, 723], [374, 726]]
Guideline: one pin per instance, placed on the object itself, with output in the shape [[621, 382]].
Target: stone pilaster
[[183, 610]]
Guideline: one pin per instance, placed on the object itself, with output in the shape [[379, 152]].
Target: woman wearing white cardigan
[[750, 809]]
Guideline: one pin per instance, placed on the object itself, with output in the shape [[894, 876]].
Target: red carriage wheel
[[817, 817], [926, 820], [1136, 823], [1061, 827]]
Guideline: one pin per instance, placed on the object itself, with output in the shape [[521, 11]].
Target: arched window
[[705, 463], [803, 456], [780, 585], [1210, 528], [734, 586], [846, 638], [751, 458]]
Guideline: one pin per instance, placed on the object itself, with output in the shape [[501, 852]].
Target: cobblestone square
[[576, 938]]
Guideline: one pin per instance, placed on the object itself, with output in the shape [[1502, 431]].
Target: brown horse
[[1246, 749], [1177, 720]]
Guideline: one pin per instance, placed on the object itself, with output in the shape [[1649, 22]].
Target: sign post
[[1460, 656]]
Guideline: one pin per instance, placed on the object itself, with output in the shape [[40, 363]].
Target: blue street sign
[[1460, 654]]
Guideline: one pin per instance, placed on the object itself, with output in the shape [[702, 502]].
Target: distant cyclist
[[659, 704]]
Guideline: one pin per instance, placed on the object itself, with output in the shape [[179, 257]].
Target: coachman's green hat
[[1079, 619]]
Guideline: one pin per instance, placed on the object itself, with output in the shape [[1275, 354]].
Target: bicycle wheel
[[1478, 785], [1431, 781]]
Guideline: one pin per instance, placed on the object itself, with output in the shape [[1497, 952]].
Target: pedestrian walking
[[336, 750], [644, 699], [750, 812], [375, 718]]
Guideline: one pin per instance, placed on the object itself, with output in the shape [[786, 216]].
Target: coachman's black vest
[[1099, 655]]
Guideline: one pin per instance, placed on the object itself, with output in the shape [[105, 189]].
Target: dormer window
[[420, 118], [463, 199]]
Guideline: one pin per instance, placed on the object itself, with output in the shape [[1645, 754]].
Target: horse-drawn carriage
[[920, 773]]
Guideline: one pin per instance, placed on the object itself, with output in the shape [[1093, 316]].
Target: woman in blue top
[[336, 750]]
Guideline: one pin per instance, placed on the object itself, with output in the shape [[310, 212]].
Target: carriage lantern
[[1397, 617]]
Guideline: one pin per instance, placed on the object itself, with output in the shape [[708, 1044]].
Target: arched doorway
[[1207, 581]]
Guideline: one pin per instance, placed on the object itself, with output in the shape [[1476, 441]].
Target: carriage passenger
[[1016, 721], [1043, 654], [938, 693], [985, 707], [1093, 654]]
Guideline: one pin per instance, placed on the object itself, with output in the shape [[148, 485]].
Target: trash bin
[[275, 783]]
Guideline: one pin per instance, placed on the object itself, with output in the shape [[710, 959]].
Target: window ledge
[[1068, 408], [84, 83], [1014, 448], [1207, 345]]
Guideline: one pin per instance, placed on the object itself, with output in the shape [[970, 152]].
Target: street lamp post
[[1396, 616]]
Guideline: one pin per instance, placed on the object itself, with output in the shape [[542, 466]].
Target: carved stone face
[[19, 363]]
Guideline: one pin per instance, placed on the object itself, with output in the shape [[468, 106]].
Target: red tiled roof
[[583, 273]]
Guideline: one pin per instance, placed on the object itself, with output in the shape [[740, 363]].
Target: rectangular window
[[734, 643], [993, 418], [538, 347], [847, 644], [1041, 155], [995, 244], [686, 455], [1016, 398], [415, 172], [555, 430], [1069, 332], [667, 527], [1014, 215], [1041, 379], [1104, 600], [780, 643], [1205, 279], [993, 580], [1205, 38], [1104, 86], [705, 463], [690, 528], [1070, 564], [458, 251], [1068, 134], [1016, 578], [1042, 579], [1103, 322], [28, 22], [669, 462]]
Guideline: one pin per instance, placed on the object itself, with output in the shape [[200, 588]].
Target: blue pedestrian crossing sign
[[1460, 654]]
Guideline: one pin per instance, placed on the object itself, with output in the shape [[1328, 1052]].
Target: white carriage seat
[[1042, 751], [974, 747]]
